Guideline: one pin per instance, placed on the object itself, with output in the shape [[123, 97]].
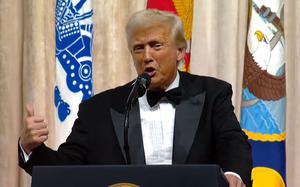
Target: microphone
[[140, 86]]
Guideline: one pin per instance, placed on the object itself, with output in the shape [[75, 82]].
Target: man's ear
[[180, 54]]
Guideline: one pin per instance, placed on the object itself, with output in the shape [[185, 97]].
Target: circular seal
[[123, 185]]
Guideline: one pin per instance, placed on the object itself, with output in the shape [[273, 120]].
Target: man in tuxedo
[[181, 119]]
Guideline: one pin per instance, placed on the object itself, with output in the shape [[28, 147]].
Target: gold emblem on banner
[[123, 185]]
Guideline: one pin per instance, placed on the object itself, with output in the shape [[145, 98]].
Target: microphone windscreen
[[145, 81]]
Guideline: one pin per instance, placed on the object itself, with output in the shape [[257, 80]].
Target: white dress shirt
[[157, 124]]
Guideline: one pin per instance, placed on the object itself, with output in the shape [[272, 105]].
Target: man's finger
[[39, 119], [37, 126], [29, 110], [43, 132], [34, 122], [43, 138]]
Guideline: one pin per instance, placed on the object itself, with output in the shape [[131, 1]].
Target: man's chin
[[155, 86]]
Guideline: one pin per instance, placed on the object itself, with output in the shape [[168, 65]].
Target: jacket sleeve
[[233, 151]]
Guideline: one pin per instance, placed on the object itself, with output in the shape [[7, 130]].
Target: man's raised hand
[[35, 130]]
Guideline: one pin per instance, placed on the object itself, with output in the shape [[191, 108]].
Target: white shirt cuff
[[25, 155], [233, 173]]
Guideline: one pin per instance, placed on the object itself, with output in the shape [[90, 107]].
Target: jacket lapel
[[187, 118], [136, 148]]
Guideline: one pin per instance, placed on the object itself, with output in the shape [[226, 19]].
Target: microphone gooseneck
[[139, 88]]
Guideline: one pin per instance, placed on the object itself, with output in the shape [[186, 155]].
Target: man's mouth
[[150, 71]]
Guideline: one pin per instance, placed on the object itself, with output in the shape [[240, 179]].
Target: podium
[[129, 176]]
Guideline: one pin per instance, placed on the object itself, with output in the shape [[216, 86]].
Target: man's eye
[[138, 49], [157, 46]]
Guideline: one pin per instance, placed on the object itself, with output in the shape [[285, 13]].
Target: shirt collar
[[175, 83]]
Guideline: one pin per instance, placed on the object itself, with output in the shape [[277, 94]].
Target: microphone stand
[[128, 106], [126, 128], [141, 84]]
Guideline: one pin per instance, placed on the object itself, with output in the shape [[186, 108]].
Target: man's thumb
[[29, 110]]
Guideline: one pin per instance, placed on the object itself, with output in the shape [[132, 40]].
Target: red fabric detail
[[166, 5], [187, 59]]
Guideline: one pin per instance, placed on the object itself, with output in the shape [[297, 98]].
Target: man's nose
[[147, 54]]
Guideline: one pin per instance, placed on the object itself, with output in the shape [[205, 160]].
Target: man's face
[[155, 53]]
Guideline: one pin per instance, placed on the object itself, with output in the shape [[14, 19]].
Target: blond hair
[[152, 17]]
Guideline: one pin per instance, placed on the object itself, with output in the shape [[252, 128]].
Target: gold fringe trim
[[265, 137], [185, 9]]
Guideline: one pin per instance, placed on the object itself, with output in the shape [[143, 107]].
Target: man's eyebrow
[[151, 43], [137, 44]]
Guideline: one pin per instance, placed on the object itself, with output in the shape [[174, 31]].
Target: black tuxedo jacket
[[206, 130]]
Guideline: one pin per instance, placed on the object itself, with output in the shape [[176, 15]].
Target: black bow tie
[[173, 95]]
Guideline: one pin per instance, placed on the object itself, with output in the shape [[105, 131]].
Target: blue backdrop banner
[[74, 36], [263, 111]]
